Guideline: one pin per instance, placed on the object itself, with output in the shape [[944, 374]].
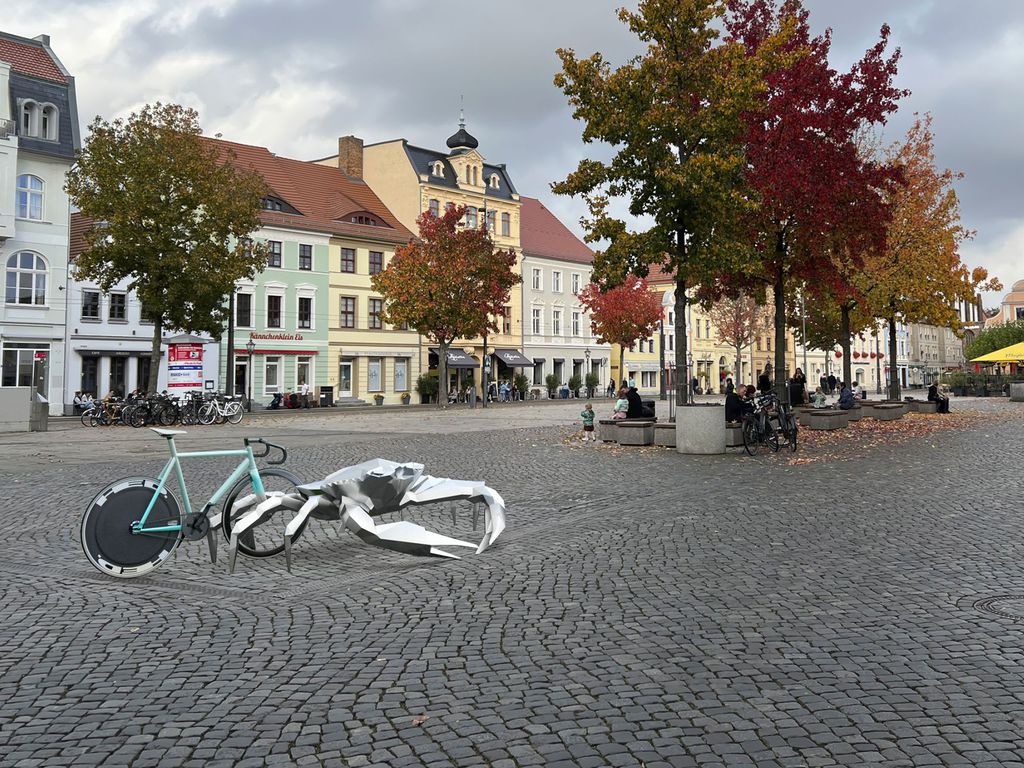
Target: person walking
[[832, 382], [304, 393], [587, 414]]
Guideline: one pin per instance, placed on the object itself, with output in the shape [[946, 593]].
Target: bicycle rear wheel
[[771, 436], [106, 534], [791, 430], [750, 436], [267, 538], [233, 412], [208, 414]]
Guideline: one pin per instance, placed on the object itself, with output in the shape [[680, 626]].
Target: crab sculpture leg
[[263, 511], [427, 490]]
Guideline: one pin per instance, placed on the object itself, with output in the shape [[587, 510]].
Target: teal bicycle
[[134, 524]]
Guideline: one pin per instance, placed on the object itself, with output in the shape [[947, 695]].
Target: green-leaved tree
[[172, 216]]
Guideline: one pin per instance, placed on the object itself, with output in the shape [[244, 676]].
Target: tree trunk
[[894, 371], [682, 344], [736, 378], [442, 373], [844, 333], [229, 368], [622, 364], [779, 296], [154, 356]]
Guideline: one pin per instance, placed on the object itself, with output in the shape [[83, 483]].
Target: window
[[538, 371], [556, 281], [471, 218], [768, 343], [650, 345], [30, 197], [90, 305], [18, 364], [537, 283], [29, 111], [272, 375], [556, 322], [348, 259], [273, 253], [146, 317], [243, 310], [376, 262], [401, 374], [435, 207], [505, 224], [476, 176], [575, 323], [305, 256], [491, 216], [672, 342], [439, 168], [758, 343], [467, 174], [304, 370], [376, 306], [48, 123], [575, 283], [696, 328], [506, 320], [707, 329], [494, 181], [365, 220], [348, 312], [536, 321], [305, 312], [274, 311], [648, 379], [374, 378], [118, 307]]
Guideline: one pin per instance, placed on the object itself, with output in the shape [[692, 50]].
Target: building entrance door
[[345, 379], [241, 377]]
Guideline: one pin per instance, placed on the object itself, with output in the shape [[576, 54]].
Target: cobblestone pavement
[[643, 608]]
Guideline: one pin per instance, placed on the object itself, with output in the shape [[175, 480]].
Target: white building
[[556, 330], [38, 139]]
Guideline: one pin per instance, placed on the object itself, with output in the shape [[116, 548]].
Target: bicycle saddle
[[169, 432]]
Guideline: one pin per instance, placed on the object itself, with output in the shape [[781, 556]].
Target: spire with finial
[[461, 139]]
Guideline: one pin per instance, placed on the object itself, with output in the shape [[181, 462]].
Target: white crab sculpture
[[357, 494]]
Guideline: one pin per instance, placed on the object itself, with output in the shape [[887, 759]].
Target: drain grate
[[1005, 606]]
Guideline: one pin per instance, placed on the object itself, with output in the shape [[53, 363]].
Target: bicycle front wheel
[[791, 430], [106, 532], [750, 436], [87, 418], [233, 411], [771, 436], [267, 538], [208, 414]]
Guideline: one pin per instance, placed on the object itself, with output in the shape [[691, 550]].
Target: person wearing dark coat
[[764, 382], [636, 406], [798, 388], [832, 381], [940, 400], [736, 406], [846, 397]]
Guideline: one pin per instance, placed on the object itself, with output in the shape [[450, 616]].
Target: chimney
[[44, 39], [350, 156]]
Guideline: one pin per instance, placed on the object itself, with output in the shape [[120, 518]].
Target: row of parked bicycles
[[165, 411], [759, 427]]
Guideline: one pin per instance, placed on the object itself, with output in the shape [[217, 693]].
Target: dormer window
[[48, 123], [367, 221], [476, 177], [438, 169], [494, 181], [276, 204], [29, 115]]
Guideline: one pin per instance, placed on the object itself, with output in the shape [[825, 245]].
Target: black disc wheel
[[750, 436], [266, 538], [107, 537]]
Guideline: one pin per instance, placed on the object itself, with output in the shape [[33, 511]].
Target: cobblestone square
[[642, 608]]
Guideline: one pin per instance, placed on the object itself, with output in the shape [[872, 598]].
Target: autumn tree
[[738, 322], [622, 314], [172, 218], [674, 118], [802, 153], [918, 277], [450, 284]]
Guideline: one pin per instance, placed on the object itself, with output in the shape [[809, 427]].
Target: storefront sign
[[276, 336], [185, 366]]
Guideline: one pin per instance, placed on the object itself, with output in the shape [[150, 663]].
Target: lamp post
[[586, 371], [250, 347]]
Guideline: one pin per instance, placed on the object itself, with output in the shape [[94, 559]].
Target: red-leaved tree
[[623, 314], [450, 284], [802, 153], [739, 321]]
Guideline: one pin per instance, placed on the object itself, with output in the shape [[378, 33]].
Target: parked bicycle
[[134, 524], [758, 428], [220, 409]]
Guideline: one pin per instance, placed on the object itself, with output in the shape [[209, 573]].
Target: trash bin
[[39, 414], [472, 398], [326, 397]]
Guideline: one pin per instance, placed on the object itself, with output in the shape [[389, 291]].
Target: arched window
[[29, 115], [494, 181], [476, 179], [26, 279], [467, 174], [30, 197], [48, 122], [439, 168]]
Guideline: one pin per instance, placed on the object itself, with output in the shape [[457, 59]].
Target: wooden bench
[[635, 431], [665, 434]]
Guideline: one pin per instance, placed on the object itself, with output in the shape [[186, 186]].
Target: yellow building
[[410, 180]]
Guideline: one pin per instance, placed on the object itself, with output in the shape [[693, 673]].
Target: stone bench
[[608, 429], [887, 411], [922, 406], [636, 431], [665, 434], [827, 419], [733, 434]]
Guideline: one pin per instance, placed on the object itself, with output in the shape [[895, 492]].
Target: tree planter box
[[1017, 391], [700, 429], [922, 406], [607, 430], [665, 435], [635, 432], [888, 411], [855, 414], [827, 419]]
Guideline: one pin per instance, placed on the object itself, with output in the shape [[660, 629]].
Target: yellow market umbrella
[[1011, 354]]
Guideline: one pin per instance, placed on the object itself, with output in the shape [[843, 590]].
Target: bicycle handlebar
[[266, 452]]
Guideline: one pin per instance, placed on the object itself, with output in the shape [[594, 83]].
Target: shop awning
[[1012, 354], [458, 359], [513, 358]]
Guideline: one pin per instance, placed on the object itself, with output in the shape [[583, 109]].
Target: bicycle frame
[[248, 465]]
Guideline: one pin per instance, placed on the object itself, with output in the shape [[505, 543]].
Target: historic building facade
[[410, 180], [38, 139]]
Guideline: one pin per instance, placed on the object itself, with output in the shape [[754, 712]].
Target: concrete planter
[[635, 432], [1017, 392], [607, 430], [665, 435], [700, 429]]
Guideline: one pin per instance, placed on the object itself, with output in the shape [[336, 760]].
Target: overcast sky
[[293, 75]]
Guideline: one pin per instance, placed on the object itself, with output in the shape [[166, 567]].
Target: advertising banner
[[185, 366]]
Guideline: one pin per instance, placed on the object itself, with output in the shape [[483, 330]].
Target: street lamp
[[586, 371], [250, 347]]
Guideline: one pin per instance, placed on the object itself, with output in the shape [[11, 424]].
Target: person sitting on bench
[[637, 409], [736, 406], [940, 400]]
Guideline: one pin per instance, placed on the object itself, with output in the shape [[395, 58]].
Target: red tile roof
[[30, 58], [542, 234], [325, 196]]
